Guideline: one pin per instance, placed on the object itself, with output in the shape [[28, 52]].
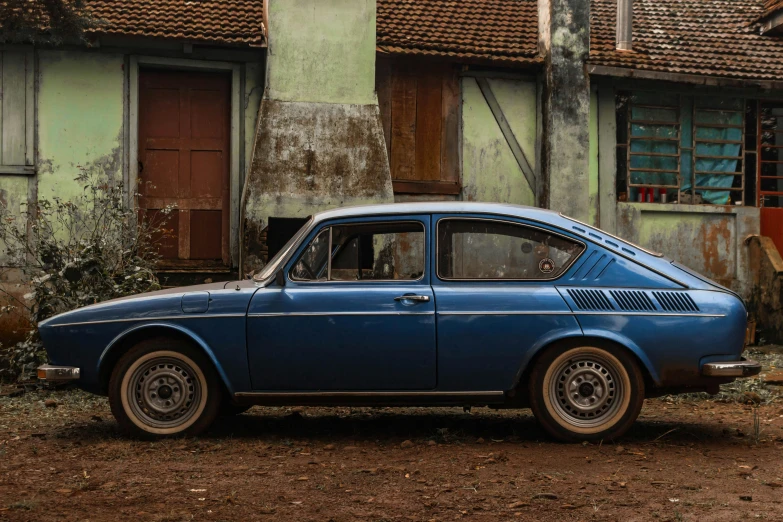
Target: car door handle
[[419, 298]]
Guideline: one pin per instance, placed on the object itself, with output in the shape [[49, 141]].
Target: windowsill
[[18, 170], [683, 207], [426, 187]]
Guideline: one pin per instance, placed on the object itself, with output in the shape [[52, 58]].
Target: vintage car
[[426, 304]]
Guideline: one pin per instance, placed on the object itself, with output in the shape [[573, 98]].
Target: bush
[[76, 253]]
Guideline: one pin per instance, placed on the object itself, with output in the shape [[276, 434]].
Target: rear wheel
[[586, 392], [163, 387]]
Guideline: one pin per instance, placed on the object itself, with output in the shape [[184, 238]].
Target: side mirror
[[280, 278]]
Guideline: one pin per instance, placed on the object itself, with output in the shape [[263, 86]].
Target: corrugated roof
[[501, 31], [704, 37], [209, 21]]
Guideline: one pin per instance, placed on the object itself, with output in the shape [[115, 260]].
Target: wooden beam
[[505, 128], [426, 187]]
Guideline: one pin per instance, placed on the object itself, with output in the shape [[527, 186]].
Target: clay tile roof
[[503, 31], [703, 37], [772, 6], [208, 21]]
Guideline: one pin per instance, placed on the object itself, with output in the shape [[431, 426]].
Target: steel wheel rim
[[586, 390], [164, 392]]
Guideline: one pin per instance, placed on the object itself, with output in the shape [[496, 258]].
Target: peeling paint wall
[[80, 118], [708, 239], [489, 170], [320, 140]]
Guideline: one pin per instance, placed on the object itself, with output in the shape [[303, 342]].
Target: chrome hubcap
[[165, 392], [586, 390]]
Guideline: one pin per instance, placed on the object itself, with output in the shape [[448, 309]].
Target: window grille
[[676, 148]]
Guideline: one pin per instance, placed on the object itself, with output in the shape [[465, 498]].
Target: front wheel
[[586, 392], [163, 387]]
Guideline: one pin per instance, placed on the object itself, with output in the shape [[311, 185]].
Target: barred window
[[676, 148]]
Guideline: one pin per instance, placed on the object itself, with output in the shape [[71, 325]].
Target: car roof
[[436, 207]]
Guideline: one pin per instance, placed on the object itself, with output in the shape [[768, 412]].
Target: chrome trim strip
[[327, 314], [510, 312], [339, 394], [582, 312], [162, 318], [599, 231]]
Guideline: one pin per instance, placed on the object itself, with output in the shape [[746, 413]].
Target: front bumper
[[51, 373], [742, 368]]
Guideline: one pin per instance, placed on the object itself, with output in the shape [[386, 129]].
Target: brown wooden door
[[184, 147]]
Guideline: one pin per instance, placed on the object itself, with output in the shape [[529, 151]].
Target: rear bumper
[[51, 373], [742, 368]]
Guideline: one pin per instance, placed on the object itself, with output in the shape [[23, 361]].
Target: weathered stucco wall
[[320, 140], [708, 239], [80, 118], [564, 34], [489, 170], [322, 51]]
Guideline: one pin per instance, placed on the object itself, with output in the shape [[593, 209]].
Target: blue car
[[425, 304]]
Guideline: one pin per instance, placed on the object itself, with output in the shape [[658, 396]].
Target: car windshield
[[274, 263]]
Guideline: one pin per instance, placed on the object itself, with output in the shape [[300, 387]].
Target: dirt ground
[[685, 459]]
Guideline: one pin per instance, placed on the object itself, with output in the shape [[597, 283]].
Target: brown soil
[[683, 460]]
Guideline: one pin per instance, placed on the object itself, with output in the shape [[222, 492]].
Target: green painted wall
[[489, 170], [322, 51], [80, 118], [592, 181], [254, 90]]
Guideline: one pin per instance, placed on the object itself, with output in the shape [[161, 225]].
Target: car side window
[[386, 251], [312, 264], [477, 249]]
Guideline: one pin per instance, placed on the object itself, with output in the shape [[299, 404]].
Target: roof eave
[[693, 79]]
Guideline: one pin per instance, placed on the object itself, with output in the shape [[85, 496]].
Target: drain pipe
[[624, 25]]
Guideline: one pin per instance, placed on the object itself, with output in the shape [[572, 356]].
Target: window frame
[[507, 222], [29, 166], [685, 98], [328, 279]]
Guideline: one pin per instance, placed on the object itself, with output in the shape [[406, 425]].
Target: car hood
[[149, 304]]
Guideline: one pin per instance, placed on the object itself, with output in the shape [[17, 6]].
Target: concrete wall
[[709, 239], [490, 171], [320, 140]]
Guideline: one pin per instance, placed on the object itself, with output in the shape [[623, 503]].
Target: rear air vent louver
[[590, 299], [676, 302], [633, 300]]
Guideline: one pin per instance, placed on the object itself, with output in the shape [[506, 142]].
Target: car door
[[496, 301], [356, 312]]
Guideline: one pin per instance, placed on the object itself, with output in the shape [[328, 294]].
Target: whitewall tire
[[163, 387], [586, 392]]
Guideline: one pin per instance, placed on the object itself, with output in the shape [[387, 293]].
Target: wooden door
[[184, 147]]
